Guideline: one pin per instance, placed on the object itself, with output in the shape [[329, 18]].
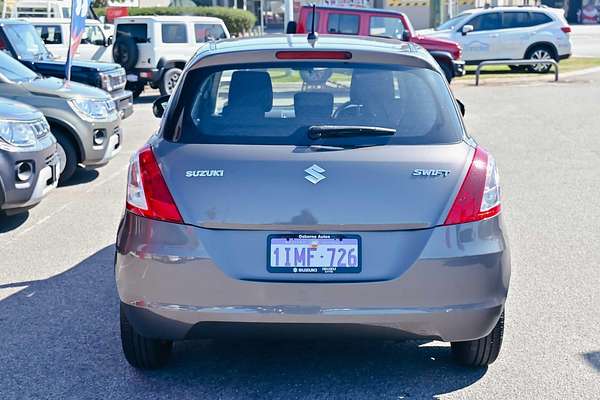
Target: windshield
[[26, 41], [453, 23], [13, 70], [278, 104]]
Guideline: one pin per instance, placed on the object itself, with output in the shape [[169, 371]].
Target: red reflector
[[566, 29], [313, 55], [159, 202]]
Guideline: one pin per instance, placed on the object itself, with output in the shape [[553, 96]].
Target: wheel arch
[[71, 133], [164, 64], [545, 44]]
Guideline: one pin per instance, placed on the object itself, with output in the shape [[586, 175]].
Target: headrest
[[250, 89], [368, 86], [313, 104]]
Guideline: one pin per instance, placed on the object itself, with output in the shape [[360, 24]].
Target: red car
[[383, 23]]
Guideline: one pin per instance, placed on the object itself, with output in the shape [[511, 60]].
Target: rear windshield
[[277, 104], [138, 32]]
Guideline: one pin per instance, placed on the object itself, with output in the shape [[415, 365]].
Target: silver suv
[[83, 119], [29, 166]]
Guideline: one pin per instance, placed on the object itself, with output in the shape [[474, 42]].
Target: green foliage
[[237, 21]]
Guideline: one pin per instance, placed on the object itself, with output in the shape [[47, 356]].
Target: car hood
[[434, 42], [77, 64], [10, 109], [59, 88], [432, 33]]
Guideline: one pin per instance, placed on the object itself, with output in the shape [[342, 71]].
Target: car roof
[[48, 21], [324, 42], [167, 18], [366, 10], [507, 8], [13, 21]]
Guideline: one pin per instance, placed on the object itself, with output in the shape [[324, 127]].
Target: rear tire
[[68, 156], [136, 88], [447, 71], [169, 81], [142, 352], [480, 352], [541, 52]]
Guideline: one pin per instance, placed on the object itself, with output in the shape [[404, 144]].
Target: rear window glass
[[174, 33], [208, 32], [343, 23], [539, 18], [50, 34], [386, 27], [277, 104], [139, 32]]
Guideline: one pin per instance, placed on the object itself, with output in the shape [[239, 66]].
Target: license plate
[[314, 253]]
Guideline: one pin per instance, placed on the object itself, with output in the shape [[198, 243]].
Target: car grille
[[114, 80]]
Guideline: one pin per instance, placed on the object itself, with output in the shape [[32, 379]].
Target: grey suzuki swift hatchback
[[309, 187]]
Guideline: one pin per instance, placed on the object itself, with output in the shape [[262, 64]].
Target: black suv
[[20, 39]]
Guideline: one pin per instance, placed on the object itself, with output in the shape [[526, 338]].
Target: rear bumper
[[458, 67], [144, 75], [454, 291]]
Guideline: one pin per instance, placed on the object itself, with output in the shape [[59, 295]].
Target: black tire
[[480, 352], [517, 68], [142, 352], [136, 88], [540, 52], [125, 52], [67, 154], [447, 71], [169, 80]]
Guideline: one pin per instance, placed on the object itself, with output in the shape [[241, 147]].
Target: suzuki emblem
[[314, 174]]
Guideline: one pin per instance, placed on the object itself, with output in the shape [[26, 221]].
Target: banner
[[79, 12]]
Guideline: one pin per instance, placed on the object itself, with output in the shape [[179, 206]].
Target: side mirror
[[466, 29], [159, 105], [461, 106], [292, 27], [406, 36]]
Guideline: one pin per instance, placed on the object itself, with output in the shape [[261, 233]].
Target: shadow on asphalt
[[11, 222], [81, 176], [59, 339], [593, 358], [146, 98]]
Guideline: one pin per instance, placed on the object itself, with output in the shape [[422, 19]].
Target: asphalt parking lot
[[59, 309]]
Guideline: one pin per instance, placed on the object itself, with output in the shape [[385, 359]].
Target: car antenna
[[312, 36]]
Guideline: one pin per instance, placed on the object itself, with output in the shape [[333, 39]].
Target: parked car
[[509, 33], [83, 118], [266, 204], [21, 40], [29, 163], [55, 33], [153, 50], [379, 23]]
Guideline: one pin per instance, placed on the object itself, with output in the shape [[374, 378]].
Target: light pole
[[288, 11]]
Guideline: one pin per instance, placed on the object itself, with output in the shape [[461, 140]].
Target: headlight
[[20, 133], [92, 109]]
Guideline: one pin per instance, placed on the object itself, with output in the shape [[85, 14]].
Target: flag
[[79, 12]]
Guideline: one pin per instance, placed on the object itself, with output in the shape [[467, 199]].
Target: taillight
[[313, 55], [147, 192], [566, 29], [479, 195]]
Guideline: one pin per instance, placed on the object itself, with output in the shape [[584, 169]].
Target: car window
[[174, 33], [486, 22], [25, 40], [309, 20], [515, 20], [386, 27], [538, 18], [92, 35], [13, 70], [139, 32], [277, 103], [50, 34], [208, 32], [453, 23], [343, 23]]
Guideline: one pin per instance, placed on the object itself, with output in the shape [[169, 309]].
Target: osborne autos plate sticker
[[313, 253]]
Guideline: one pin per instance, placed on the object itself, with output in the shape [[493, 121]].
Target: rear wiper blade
[[329, 131]]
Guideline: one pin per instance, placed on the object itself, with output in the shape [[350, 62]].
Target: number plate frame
[[312, 269]]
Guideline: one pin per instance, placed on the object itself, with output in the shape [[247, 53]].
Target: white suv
[[509, 33], [153, 50]]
